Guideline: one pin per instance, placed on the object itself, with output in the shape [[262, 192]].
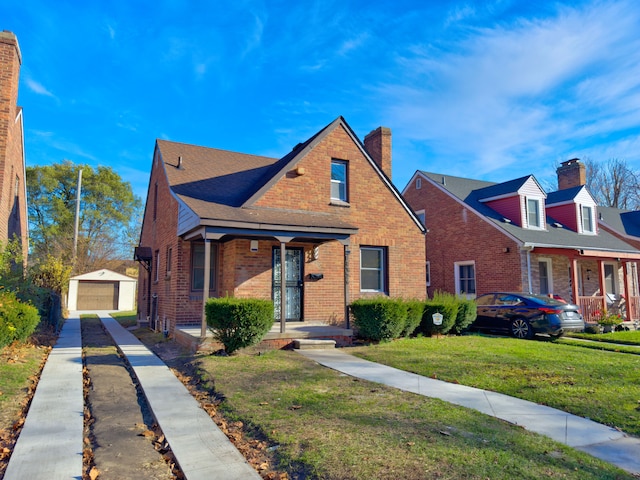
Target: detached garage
[[102, 290]]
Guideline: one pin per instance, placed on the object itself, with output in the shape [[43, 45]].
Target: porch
[[629, 309], [189, 336]]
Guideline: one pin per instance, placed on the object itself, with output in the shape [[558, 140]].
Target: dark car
[[524, 314]]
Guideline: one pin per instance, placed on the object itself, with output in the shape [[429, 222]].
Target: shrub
[[18, 320], [380, 318], [445, 304], [467, 312], [239, 322], [415, 308]]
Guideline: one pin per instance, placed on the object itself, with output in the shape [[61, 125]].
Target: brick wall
[[379, 216], [456, 234], [13, 206], [373, 208]]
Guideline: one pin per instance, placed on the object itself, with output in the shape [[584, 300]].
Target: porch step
[[313, 344]]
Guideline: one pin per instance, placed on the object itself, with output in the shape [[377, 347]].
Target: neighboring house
[[512, 236], [218, 223], [102, 290], [13, 194]]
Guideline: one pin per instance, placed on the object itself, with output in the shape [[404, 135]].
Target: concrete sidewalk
[[601, 441], [50, 444]]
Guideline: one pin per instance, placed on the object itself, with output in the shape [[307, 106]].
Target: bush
[[445, 304], [467, 312], [239, 322], [18, 320], [379, 319], [415, 308]]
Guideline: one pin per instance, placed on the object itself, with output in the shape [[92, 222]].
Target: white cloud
[[37, 87], [514, 92]]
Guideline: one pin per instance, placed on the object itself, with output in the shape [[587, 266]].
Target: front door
[[293, 283]]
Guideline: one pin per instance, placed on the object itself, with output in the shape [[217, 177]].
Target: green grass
[[325, 425], [19, 364], [601, 385], [625, 337], [126, 319]]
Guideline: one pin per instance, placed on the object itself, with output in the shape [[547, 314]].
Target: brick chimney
[[378, 145], [571, 173], [10, 60]]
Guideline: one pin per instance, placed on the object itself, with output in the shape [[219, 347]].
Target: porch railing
[[589, 306], [629, 310]]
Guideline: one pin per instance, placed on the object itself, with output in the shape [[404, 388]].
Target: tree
[[109, 212], [613, 184]]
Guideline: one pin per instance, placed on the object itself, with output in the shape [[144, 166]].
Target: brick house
[[13, 194], [512, 236], [218, 223]]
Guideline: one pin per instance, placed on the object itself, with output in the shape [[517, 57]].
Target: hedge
[[467, 313], [447, 305], [18, 320], [380, 318], [239, 322]]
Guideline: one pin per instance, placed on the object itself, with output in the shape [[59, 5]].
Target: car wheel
[[520, 328]]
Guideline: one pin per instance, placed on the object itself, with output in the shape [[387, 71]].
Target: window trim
[[592, 230], [344, 164], [457, 266], [382, 275], [169, 261], [418, 183], [539, 213], [428, 272], [422, 217], [549, 264], [157, 276]]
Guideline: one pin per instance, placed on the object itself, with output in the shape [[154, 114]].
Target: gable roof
[[470, 192], [104, 275], [511, 187], [221, 188]]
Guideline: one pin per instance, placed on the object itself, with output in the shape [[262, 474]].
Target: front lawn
[[320, 424], [625, 337], [601, 385]]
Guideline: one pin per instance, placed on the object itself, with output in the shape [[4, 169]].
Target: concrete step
[[313, 344]]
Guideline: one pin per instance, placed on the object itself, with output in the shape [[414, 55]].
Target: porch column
[[283, 287], [347, 252], [205, 289], [574, 281], [625, 289]]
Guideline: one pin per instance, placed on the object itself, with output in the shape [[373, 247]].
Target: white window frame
[[539, 212], [345, 165], [549, 264], [422, 217], [381, 271], [418, 183], [457, 266], [592, 222]]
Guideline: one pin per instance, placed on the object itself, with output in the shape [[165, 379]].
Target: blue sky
[[490, 90]]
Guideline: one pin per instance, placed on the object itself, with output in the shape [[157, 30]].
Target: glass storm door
[[293, 283]]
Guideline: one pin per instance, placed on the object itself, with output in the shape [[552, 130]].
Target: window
[[197, 267], [418, 183], [339, 180], [428, 274], [587, 219], [372, 269], [533, 213], [421, 217], [546, 278], [465, 279], [168, 267]]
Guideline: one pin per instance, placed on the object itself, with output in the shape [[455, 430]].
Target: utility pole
[[75, 235]]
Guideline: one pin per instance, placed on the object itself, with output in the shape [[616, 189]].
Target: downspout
[[347, 252], [529, 249]]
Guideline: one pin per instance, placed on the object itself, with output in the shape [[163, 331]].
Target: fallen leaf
[[93, 473]]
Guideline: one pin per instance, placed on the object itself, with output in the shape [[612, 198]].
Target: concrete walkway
[[50, 444], [601, 441]]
